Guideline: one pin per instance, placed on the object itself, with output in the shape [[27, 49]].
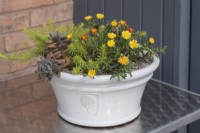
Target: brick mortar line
[[21, 70], [3, 6], [5, 33], [32, 8], [34, 100], [10, 89], [23, 49], [29, 18], [16, 51], [19, 87], [67, 20], [3, 45], [54, 1]]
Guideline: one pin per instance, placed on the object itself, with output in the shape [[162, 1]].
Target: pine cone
[[55, 53]]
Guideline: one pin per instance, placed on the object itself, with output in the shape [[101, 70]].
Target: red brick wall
[[15, 15]]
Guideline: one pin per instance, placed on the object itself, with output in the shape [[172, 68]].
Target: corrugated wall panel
[[194, 58], [93, 9], [168, 39], [132, 12], [153, 24], [80, 10], [113, 11]]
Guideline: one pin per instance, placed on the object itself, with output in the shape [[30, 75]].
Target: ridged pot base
[[102, 123]]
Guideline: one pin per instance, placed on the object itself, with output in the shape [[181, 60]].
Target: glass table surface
[[28, 105]]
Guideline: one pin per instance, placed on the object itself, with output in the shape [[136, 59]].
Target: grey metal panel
[[181, 43], [168, 39], [195, 47], [132, 13], [80, 10], [194, 56], [152, 23], [95, 6], [113, 9]]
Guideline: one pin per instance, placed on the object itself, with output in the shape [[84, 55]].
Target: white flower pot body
[[101, 102]]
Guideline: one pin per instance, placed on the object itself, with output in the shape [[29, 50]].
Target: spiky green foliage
[[92, 65], [40, 36], [78, 61], [21, 55], [91, 49], [76, 70], [76, 49], [102, 57]]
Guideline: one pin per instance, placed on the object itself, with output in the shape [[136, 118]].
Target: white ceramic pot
[[101, 102]]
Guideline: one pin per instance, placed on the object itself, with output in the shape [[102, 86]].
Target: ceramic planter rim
[[136, 74], [81, 81]]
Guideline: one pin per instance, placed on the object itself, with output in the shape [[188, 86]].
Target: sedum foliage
[[95, 49], [40, 36]]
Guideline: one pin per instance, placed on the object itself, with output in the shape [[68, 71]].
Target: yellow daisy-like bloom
[[100, 16], [151, 40], [123, 60], [69, 36], [126, 35], [133, 44], [111, 35], [88, 18], [114, 23], [111, 43], [122, 22], [91, 73]]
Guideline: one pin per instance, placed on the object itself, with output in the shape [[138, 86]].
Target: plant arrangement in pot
[[98, 72]]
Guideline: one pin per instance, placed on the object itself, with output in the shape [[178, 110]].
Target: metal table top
[[28, 105]]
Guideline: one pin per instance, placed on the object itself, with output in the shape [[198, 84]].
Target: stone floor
[[23, 103]]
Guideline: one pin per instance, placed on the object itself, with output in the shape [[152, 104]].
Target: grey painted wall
[[195, 56], [166, 20]]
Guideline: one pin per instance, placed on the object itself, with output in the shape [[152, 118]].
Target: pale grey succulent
[[45, 68]]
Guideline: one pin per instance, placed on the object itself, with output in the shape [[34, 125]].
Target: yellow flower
[[114, 23], [122, 22], [123, 60], [133, 44], [91, 73], [126, 35], [151, 40], [88, 18], [69, 36], [111, 43], [100, 16], [111, 35]]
